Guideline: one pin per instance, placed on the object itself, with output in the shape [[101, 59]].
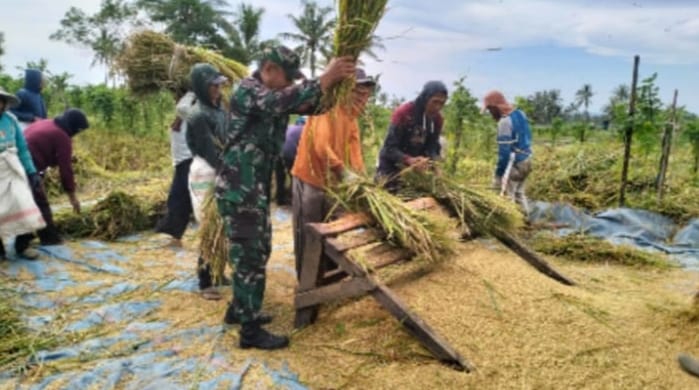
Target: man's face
[[214, 92], [494, 112], [360, 96], [435, 104], [274, 77]]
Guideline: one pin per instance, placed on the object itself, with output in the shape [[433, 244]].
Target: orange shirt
[[329, 143]]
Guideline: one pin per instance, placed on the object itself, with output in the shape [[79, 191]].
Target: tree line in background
[[235, 32]]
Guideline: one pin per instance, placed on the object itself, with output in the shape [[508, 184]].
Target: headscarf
[[430, 89], [497, 99], [72, 121]]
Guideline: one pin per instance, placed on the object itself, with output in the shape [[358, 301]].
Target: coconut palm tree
[[583, 97], [314, 32], [246, 33]]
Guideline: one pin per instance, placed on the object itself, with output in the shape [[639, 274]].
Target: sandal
[[211, 294]]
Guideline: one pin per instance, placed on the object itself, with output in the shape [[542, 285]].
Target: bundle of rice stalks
[[481, 210], [117, 215], [585, 248], [17, 343], [152, 61], [354, 33], [214, 244], [408, 228]]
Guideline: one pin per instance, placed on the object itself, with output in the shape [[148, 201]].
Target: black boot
[[50, 236], [231, 318], [252, 335], [204, 274], [3, 255]]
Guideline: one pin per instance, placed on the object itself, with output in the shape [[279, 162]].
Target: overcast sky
[[544, 44]]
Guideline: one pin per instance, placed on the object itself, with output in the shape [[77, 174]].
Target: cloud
[[663, 32], [446, 39]]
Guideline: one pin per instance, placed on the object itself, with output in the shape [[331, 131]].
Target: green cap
[[286, 58]]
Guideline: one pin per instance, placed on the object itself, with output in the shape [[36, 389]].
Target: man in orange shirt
[[330, 151]]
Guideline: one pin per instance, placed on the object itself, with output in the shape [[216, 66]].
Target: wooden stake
[[628, 133], [667, 145]]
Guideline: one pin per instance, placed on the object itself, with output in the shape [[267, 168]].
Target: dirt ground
[[619, 328]]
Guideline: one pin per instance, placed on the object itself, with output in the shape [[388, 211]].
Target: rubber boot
[[231, 318], [50, 236], [204, 274], [3, 254], [252, 335]]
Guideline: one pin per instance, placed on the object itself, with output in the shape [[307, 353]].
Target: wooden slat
[[434, 342], [346, 242], [353, 221], [342, 290], [392, 256], [382, 256]]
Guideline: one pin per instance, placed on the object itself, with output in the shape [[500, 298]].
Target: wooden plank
[[349, 289], [430, 339], [533, 258], [346, 241], [355, 220], [384, 255], [310, 272], [393, 256]]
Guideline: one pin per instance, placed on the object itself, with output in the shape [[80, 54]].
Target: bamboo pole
[[628, 133], [666, 147]]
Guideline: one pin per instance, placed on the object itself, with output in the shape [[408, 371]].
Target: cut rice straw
[[408, 228], [214, 243], [354, 32], [152, 61], [480, 210]]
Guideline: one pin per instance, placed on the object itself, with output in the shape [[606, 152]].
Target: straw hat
[[11, 99]]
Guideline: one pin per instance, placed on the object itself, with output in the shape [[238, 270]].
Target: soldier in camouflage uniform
[[260, 109]]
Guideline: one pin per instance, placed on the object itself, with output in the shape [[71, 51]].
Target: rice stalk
[[481, 210], [408, 228], [152, 61], [354, 32], [117, 215], [214, 243]]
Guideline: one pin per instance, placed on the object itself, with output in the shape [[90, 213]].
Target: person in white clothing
[[179, 203]]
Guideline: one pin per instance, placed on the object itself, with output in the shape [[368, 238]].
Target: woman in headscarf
[[413, 135]]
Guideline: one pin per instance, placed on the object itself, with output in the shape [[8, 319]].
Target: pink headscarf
[[497, 99]]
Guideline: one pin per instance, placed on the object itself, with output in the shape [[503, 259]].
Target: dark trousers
[[280, 175], [179, 203], [48, 235]]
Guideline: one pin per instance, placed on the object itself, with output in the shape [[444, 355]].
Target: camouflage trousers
[[249, 232]]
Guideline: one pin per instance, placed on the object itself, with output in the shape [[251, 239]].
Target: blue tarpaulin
[[640, 228]]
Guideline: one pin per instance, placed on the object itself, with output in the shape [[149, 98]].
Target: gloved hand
[[350, 177], [34, 181]]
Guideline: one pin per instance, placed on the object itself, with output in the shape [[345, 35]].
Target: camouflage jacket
[[256, 131]]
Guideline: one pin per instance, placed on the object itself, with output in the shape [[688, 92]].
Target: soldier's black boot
[[204, 274], [252, 335], [231, 318]]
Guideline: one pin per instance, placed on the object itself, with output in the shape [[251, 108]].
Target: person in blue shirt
[[12, 141], [514, 147], [282, 167], [31, 107]]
